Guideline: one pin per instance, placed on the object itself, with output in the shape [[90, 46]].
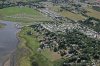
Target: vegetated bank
[[1, 25], [28, 54], [80, 51], [25, 15]]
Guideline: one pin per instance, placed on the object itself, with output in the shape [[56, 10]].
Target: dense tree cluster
[[77, 47], [97, 8], [92, 23], [75, 8], [30, 3]]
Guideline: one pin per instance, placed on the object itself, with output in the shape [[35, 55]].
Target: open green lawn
[[44, 58], [23, 14]]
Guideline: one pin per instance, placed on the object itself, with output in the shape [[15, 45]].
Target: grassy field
[[44, 58], [67, 14], [23, 14], [93, 13], [52, 56], [72, 16]]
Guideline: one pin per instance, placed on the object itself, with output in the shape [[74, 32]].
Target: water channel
[[8, 39]]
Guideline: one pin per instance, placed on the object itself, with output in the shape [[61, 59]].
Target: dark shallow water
[[8, 40]]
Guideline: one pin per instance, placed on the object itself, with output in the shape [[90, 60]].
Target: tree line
[[5, 3]]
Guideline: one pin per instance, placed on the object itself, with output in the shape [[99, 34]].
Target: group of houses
[[68, 44], [51, 40], [92, 2], [64, 1]]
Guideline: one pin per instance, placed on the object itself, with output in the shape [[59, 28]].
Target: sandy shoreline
[[7, 63], [7, 60]]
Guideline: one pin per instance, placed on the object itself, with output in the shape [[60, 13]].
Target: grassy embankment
[[2, 25], [23, 14], [30, 42]]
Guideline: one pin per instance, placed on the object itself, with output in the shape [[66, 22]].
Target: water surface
[[8, 39]]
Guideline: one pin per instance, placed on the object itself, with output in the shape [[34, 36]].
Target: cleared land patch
[[53, 56]]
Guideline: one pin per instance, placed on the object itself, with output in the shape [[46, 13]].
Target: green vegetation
[[23, 0], [79, 47], [66, 13], [33, 44], [1, 25], [51, 55], [86, 48], [90, 12], [16, 10], [93, 13], [23, 14], [73, 46], [93, 23], [96, 8], [32, 57], [72, 16]]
